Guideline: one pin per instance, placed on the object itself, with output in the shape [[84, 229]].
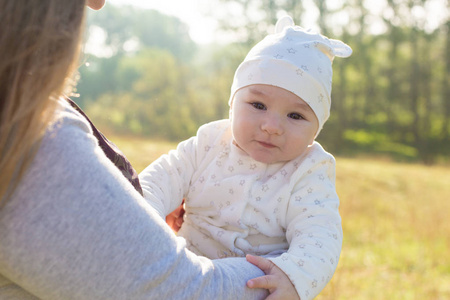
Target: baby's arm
[[166, 180], [313, 227], [275, 280]]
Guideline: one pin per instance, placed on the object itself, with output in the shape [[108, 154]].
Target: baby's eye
[[295, 116], [258, 105]]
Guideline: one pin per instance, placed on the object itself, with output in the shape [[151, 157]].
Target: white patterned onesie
[[236, 205]]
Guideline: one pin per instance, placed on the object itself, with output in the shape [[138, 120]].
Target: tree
[[134, 28], [390, 97]]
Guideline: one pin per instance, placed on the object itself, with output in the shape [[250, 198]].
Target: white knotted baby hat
[[296, 60]]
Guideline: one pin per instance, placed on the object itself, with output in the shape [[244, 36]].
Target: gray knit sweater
[[76, 229]]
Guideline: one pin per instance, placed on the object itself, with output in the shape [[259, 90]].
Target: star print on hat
[[297, 60]]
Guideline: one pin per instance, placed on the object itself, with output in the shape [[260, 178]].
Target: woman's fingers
[[264, 282], [263, 263]]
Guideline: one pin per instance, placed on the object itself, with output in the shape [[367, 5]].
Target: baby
[[258, 183]]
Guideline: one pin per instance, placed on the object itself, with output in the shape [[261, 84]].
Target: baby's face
[[272, 124]]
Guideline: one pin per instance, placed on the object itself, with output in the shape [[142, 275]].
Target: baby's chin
[[265, 158]]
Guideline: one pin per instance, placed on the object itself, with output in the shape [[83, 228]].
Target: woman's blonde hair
[[39, 48]]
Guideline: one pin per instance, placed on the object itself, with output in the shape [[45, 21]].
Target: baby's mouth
[[266, 145]]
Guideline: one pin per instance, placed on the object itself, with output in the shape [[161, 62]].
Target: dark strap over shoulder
[[113, 153]]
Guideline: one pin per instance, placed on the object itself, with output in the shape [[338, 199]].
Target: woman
[[71, 225]]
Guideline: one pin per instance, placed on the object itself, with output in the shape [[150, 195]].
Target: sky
[[203, 29]]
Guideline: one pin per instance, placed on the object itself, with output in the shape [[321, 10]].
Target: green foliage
[[147, 28], [373, 142], [148, 100], [391, 97]]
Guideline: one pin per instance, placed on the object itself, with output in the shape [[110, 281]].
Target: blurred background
[[143, 74], [154, 71]]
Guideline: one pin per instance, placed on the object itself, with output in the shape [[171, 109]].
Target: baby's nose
[[272, 124]]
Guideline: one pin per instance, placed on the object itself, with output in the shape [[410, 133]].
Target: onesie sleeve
[[166, 180], [313, 226]]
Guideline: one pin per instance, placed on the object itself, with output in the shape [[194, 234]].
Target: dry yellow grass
[[140, 151], [395, 220], [396, 231]]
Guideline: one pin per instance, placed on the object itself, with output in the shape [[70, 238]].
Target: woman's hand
[[275, 280], [175, 218]]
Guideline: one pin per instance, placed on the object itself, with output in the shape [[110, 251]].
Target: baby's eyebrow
[[303, 106], [255, 91]]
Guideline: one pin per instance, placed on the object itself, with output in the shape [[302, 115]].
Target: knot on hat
[[294, 59]]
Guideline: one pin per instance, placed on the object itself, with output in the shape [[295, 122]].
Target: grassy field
[[396, 220]]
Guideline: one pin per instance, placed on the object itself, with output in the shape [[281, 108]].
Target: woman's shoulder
[[69, 133], [68, 118]]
